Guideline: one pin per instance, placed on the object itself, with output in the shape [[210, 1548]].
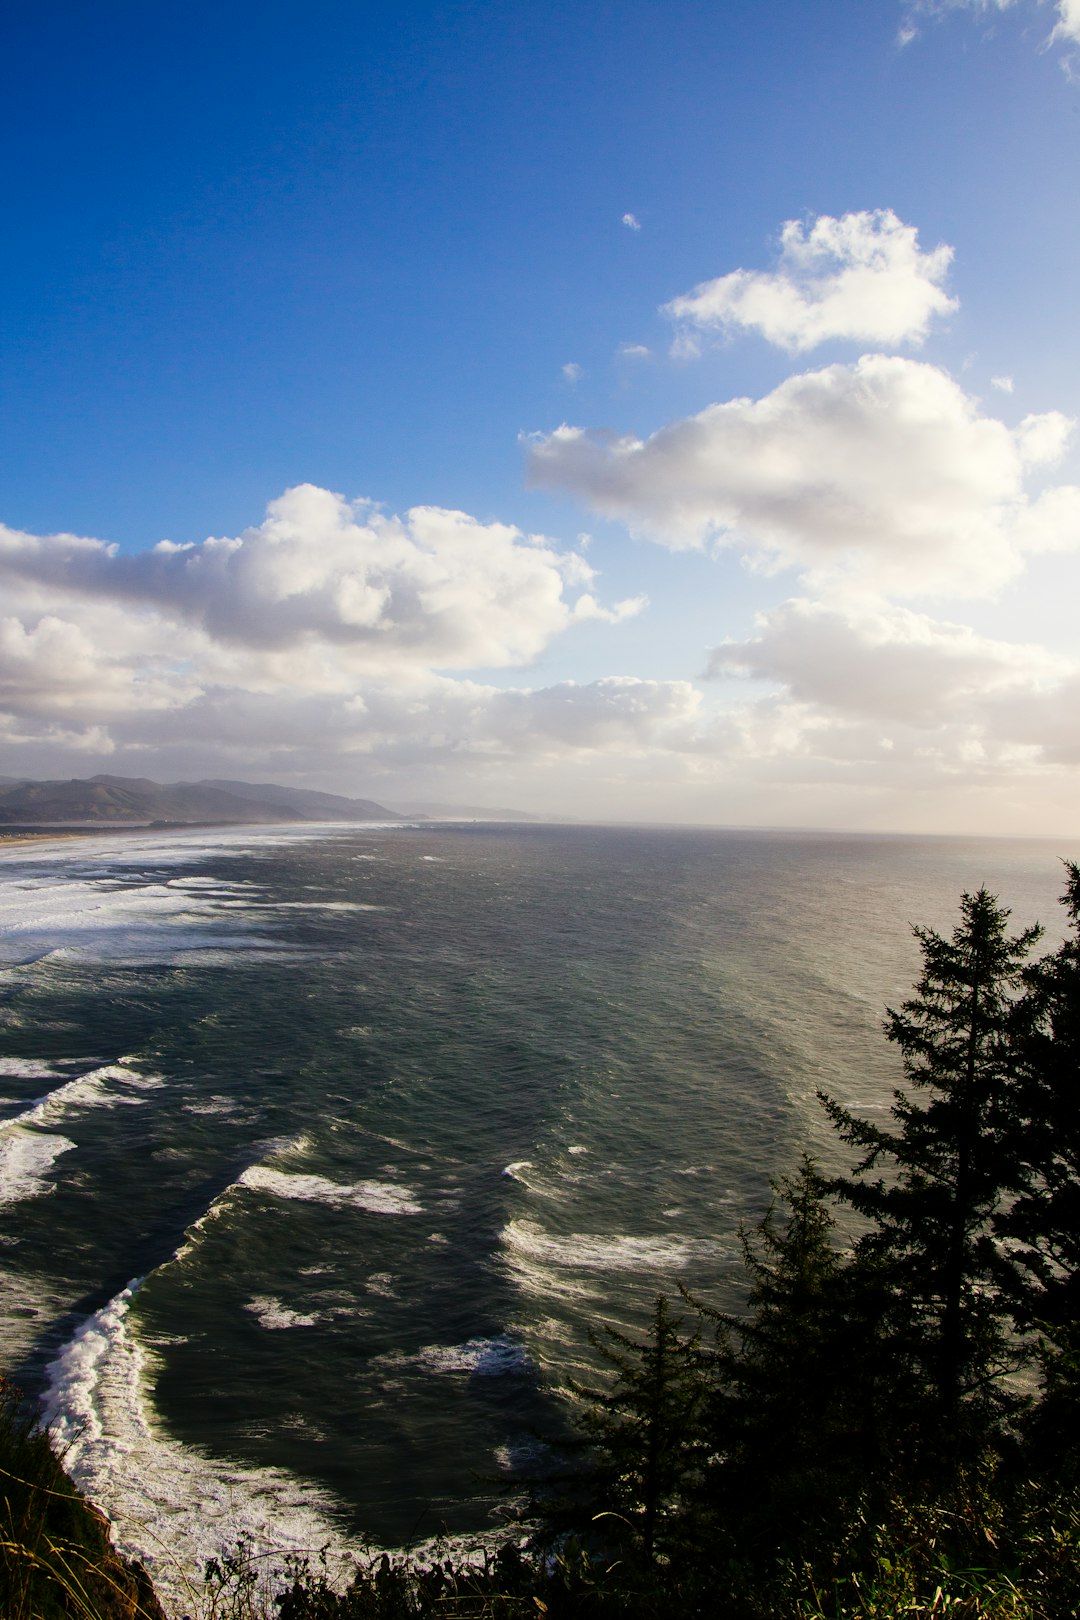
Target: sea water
[[322, 1150]]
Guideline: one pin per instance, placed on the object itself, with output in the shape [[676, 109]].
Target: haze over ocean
[[322, 1149]]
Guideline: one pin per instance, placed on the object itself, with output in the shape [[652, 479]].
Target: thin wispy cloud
[[573, 372], [1066, 30], [631, 222]]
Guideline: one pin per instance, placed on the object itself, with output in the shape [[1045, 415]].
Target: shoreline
[[12, 840]]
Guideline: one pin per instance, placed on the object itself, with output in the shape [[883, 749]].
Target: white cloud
[[1004, 384], [634, 351], [631, 222], [883, 474], [320, 634], [861, 277], [436, 588], [392, 724], [886, 663], [1068, 23], [573, 372], [1066, 29]]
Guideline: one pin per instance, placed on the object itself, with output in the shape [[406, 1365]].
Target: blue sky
[[385, 254]]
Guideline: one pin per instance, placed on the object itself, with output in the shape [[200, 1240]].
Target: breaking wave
[[376, 1197], [171, 1506]]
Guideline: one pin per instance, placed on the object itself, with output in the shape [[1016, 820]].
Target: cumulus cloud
[[884, 474], [54, 669], [426, 720], [861, 277], [324, 632], [435, 588], [1068, 23], [885, 662], [875, 699], [631, 222]]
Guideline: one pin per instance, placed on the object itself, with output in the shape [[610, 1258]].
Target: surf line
[[169, 1505]]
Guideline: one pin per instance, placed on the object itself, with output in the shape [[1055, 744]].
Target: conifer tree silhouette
[[949, 1164]]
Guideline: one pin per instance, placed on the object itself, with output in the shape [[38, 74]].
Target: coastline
[[14, 840]]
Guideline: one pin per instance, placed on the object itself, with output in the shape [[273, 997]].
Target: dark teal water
[[346, 1138]]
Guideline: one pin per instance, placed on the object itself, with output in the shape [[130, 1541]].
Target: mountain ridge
[[107, 800]]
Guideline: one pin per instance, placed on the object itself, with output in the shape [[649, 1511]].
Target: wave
[[376, 1197], [324, 905], [26, 1158], [111, 913], [94, 1089], [276, 1147], [569, 1266], [170, 1505], [596, 1251]]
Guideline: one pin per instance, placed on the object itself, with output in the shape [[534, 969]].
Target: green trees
[[778, 1418], [647, 1432], [1041, 1228], [854, 1431], [930, 1248]]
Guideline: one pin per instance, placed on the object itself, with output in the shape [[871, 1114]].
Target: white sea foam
[[324, 905], [104, 1087], [170, 1505], [381, 1283], [31, 1069], [93, 902], [376, 1197], [479, 1358], [596, 1251], [213, 1105], [274, 1314], [26, 1158]]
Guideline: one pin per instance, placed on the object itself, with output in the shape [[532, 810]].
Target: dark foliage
[[930, 1250], [56, 1559]]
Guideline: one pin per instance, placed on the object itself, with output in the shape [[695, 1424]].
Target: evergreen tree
[[1042, 1228], [780, 1416], [930, 1247], [646, 1434]]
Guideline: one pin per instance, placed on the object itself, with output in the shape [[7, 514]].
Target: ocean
[[322, 1150]]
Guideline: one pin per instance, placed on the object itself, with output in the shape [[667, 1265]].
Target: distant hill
[[310, 804], [136, 801]]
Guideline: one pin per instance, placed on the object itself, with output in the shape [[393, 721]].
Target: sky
[[662, 411]]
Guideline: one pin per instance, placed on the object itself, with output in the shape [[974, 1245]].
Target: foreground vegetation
[[892, 1428]]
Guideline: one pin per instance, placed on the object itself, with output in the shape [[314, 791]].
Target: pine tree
[[780, 1415], [930, 1245], [1041, 1230], [1044, 1222], [645, 1430]]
